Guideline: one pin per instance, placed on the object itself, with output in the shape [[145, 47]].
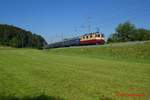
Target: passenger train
[[87, 39]]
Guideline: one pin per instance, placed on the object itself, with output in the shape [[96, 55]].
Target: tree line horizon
[[13, 36]]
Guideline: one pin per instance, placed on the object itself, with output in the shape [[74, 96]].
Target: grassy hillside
[[134, 51], [84, 73]]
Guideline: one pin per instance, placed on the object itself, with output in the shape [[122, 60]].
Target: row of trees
[[17, 37], [128, 32]]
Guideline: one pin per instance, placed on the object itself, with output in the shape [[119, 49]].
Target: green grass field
[[83, 73]]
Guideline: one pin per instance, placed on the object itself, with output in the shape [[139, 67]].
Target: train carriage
[[87, 39]]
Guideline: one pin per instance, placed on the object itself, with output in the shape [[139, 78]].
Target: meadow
[[112, 72]]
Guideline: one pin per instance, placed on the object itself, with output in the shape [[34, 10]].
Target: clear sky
[[52, 18]]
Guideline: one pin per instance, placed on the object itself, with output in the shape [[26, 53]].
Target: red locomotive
[[92, 38]]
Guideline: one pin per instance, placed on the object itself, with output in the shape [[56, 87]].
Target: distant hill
[[16, 37]]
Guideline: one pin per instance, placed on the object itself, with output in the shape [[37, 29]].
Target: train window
[[83, 37], [90, 36], [98, 35], [102, 35], [87, 37]]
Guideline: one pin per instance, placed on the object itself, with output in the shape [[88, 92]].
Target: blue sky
[[52, 18]]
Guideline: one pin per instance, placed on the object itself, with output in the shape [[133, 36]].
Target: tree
[[128, 32], [15, 42], [114, 38], [125, 32], [17, 37], [142, 34]]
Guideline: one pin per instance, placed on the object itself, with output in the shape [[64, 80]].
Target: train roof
[[67, 39], [92, 33], [71, 38]]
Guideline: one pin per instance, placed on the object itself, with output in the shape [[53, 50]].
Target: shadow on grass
[[40, 97], [43, 97]]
